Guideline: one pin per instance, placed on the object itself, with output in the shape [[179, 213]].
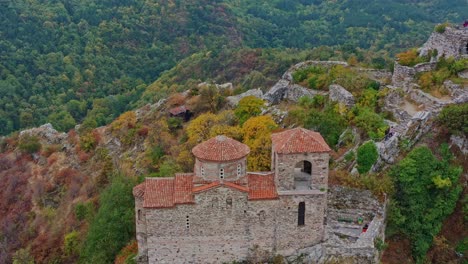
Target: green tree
[[421, 203], [113, 226], [62, 121]]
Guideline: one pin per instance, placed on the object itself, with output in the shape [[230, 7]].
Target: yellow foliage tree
[[257, 132], [199, 129]]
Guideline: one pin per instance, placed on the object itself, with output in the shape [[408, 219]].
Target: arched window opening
[[302, 175], [239, 170], [188, 222], [301, 214], [229, 201], [221, 173], [139, 215], [202, 170]]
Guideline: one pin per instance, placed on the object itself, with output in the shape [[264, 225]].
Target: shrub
[[372, 124], [411, 58], [440, 28], [366, 156], [84, 211], [23, 256], [455, 118], [29, 144], [71, 243]]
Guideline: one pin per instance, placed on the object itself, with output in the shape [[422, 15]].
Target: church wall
[[285, 164], [219, 231], [291, 236], [140, 220]]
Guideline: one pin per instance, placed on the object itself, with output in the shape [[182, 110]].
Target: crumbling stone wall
[[451, 43], [404, 75]]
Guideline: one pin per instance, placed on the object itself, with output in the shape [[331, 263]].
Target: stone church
[[223, 213]]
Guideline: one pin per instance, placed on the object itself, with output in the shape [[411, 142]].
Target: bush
[[366, 156], [455, 118], [29, 144], [71, 243], [440, 28], [371, 123]]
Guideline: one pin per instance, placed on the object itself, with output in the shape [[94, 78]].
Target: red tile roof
[[206, 187], [262, 187], [183, 189], [220, 148], [298, 140], [159, 193], [139, 190], [168, 192]]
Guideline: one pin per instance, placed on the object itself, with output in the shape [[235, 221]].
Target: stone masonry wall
[[230, 227], [451, 43], [284, 165]]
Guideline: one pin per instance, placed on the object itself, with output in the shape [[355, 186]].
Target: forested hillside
[[64, 60]]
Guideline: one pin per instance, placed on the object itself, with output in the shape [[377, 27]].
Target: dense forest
[[62, 61]]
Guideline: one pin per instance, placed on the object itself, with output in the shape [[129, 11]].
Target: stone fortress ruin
[[222, 213]]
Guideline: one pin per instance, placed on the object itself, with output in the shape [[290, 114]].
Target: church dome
[[221, 148]]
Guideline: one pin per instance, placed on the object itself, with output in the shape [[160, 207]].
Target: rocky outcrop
[[463, 74], [285, 89], [233, 101], [277, 92], [461, 142], [339, 94], [46, 133]]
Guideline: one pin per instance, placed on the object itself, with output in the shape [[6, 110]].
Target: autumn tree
[[199, 129], [248, 107], [257, 131]]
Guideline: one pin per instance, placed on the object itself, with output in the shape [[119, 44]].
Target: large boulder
[[341, 95], [233, 101], [277, 92]]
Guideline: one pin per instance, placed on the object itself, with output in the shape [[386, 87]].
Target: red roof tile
[[206, 187], [183, 185], [168, 192], [139, 190], [298, 140], [159, 193], [220, 148], [262, 187]]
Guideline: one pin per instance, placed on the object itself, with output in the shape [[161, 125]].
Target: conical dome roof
[[221, 148]]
